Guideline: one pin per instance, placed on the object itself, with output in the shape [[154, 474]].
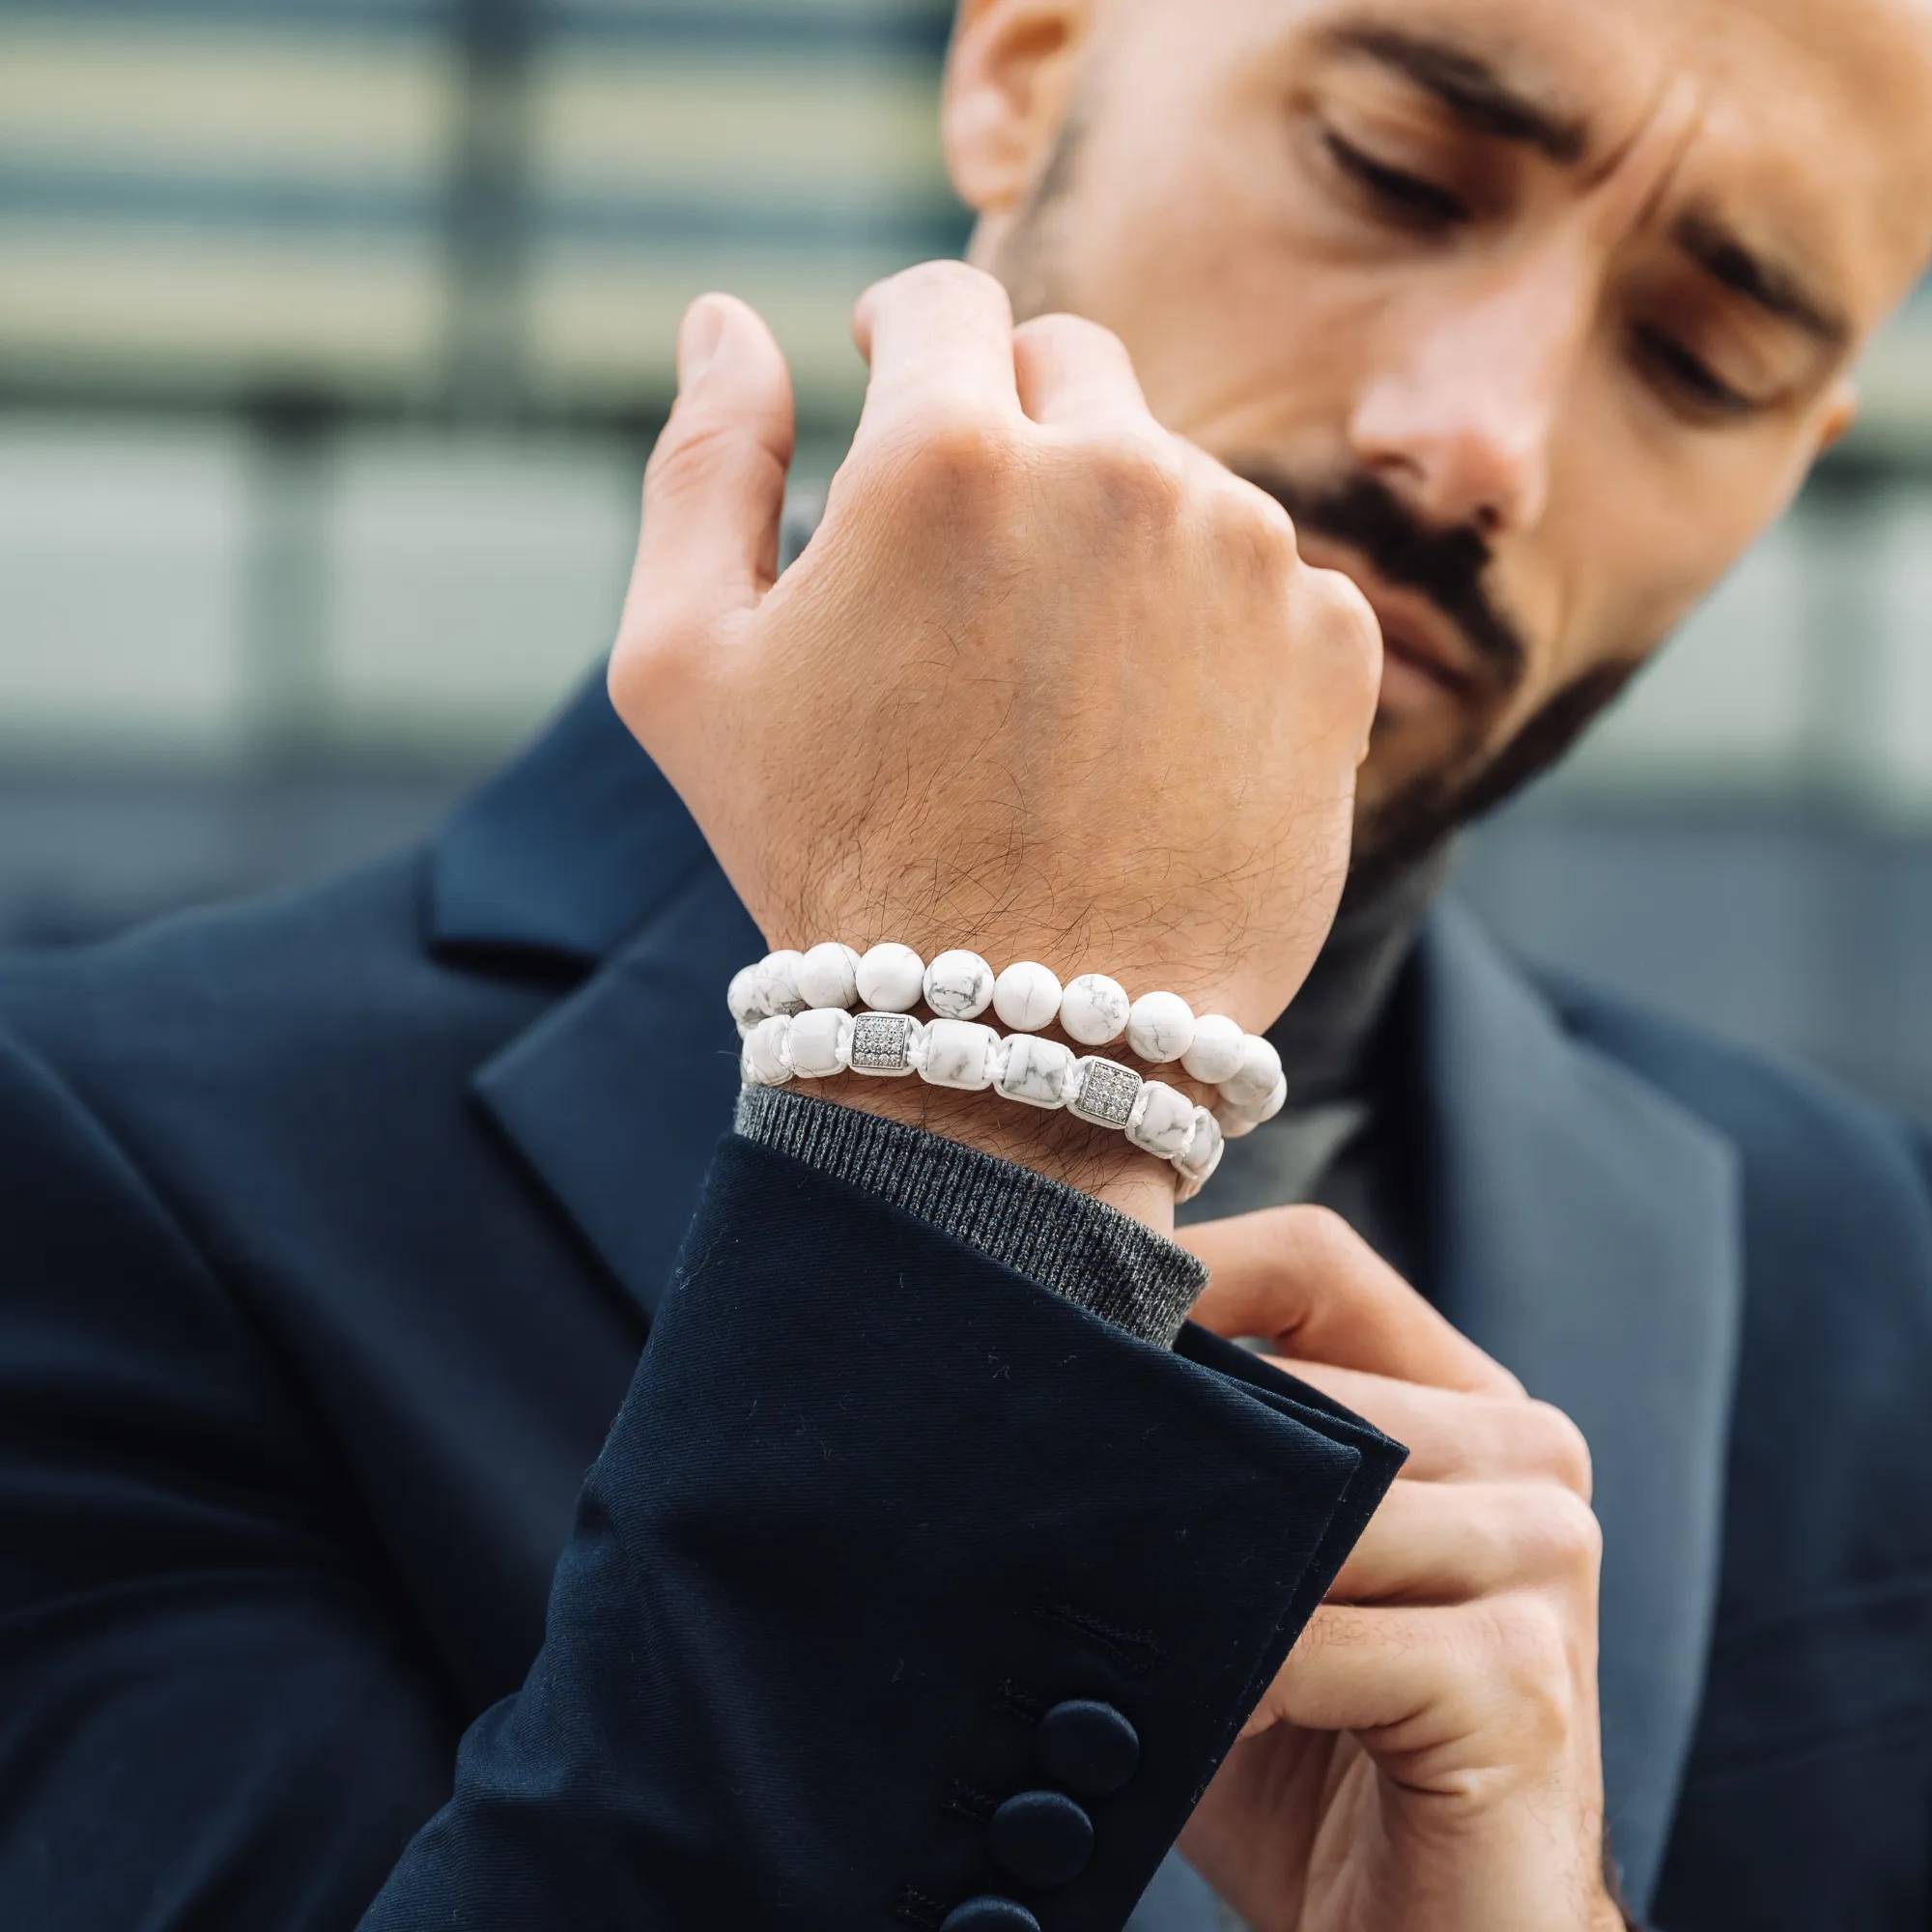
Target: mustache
[[1446, 565]]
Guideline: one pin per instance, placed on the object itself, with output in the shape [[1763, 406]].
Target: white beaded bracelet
[[1160, 1027], [822, 1041]]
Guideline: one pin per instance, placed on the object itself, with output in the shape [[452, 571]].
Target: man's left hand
[[1427, 1759]]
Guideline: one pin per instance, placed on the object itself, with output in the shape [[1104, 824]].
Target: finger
[[940, 341], [1302, 1278], [715, 487], [1074, 374], [1457, 1543], [1453, 1436]]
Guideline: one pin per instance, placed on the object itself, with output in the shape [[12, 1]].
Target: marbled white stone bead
[[828, 976], [959, 985], [959, 1053], [1206, 1144], [1258, 1112], [1162, 1120], [1216, 1051], [778, 983], [1160, 1027], [745, 997], [891, 978], [820, 1043], [1036, 1072], [766, 1060], [1094, 1010], [1026, 996], [1254, 1079]]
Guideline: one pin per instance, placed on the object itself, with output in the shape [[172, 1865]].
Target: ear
[[1841, 411], [1008, 80]]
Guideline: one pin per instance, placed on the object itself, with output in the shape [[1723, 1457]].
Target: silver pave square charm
[[882, 1044], [1103, 1091]]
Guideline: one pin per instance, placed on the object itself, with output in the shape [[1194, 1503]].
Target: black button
[[1088, 1747], [1041, 1837], [989, 1915]]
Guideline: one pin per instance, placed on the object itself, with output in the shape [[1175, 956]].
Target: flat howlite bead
[[1035, 1071], [1217, 1053], [1160, 1027], [766, 1060], [1205, 1145], [746, 998], [1026, 996], [1094, 1010], [828, 976], [891, 978], [778, 983], [1254, 1079], [959, 1054], [959, 985], [820, 1043], [1162, 1120]]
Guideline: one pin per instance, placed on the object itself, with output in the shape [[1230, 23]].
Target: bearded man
[[1386, 383]]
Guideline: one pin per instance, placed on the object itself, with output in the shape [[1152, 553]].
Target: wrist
[[1056, 1145]]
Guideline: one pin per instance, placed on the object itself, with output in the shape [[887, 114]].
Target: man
[[336, 1226]]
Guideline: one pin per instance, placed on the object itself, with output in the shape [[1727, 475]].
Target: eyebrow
[[1779, 291], [1471, 89]]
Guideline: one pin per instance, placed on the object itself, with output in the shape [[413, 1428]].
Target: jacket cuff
[[1083, 1250]]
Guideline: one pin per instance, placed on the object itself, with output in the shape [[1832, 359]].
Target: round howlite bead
[[1094, 1010], [959, 985], [1035, 1071], [959, 1053], [828, 976], [1217, 1053], [746, 998], [1254, 1079], [1160, 1026], [778, 983], [1162, 1121], [1262, 1111], [891, 978], [1026, 996], [766, 1060], [820, 1043]]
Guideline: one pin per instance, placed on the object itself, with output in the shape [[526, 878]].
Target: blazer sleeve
[[873, 1505]]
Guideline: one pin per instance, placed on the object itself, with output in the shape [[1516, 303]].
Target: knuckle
[[1562, 1448], [1255, 532], [1132, 479], [1568, 1536], [1529, 1649], [950, 451], [1070, 333]]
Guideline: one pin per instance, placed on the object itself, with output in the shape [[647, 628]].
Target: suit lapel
[[1588, 1236], [618, 1094], [579, 860]]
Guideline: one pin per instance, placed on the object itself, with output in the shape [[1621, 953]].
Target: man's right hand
[[1048, 682]]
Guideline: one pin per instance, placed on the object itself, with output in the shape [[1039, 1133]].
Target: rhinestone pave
[[882, 1042], [1103, 1091]]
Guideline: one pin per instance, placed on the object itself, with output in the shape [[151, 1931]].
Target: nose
[[1460, 415]]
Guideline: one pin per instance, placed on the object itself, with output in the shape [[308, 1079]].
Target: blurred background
[[334, 335]]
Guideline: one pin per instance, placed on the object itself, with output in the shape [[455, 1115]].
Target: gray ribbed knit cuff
[[1092, 1253]]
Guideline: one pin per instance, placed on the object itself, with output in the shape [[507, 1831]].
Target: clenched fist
[[1048, 682]]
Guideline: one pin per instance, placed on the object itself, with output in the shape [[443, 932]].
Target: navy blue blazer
[[334, 1228]]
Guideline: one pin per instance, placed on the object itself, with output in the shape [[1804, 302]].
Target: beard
[[1450, 566]]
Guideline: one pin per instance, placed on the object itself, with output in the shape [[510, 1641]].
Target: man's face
[[1533, 312]]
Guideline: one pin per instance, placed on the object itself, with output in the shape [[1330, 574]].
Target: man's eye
[[1407, 198], [1689, 375]]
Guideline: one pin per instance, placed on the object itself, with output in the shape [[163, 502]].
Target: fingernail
[[699, 339]]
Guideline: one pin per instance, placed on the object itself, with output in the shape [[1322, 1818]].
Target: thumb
[[715, 487]]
